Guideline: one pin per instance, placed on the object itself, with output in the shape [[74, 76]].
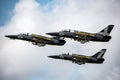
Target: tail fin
[[106, 31], [99, 54]]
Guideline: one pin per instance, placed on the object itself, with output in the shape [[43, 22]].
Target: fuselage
[[79, 59], [38, 39], [80, 36]]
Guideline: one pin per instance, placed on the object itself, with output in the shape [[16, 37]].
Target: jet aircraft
[[38, 39], [81, 59], [83, 37]]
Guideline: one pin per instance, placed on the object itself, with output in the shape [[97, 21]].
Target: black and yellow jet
[[102, 36], [38, 39], [81, 59]]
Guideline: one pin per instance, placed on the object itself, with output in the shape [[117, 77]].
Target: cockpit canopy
[[24, 34], [64, 54], [69, 30]]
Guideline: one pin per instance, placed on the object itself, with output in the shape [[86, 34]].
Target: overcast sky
[[20, 60]]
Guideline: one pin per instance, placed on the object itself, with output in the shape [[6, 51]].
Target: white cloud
[[20, 60]]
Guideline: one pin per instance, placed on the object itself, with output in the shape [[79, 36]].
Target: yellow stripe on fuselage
[[80, 56], [84, 33], [40, 37]]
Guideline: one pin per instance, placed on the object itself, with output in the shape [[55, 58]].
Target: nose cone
[[11, 36], [55, 57], [53, 34]]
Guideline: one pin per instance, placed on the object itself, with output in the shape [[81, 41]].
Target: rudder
[[106, 31], [99, 54]]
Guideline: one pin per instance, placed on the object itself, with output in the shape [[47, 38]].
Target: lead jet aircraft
[[38, 39], [81, 59], [83, 37]]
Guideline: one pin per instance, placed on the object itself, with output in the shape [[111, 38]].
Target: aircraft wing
[[39, 40], [79, 59], [82, 36], [78, 62], [81, 41]]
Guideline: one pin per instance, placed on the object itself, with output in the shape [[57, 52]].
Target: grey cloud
[[23, 61]]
